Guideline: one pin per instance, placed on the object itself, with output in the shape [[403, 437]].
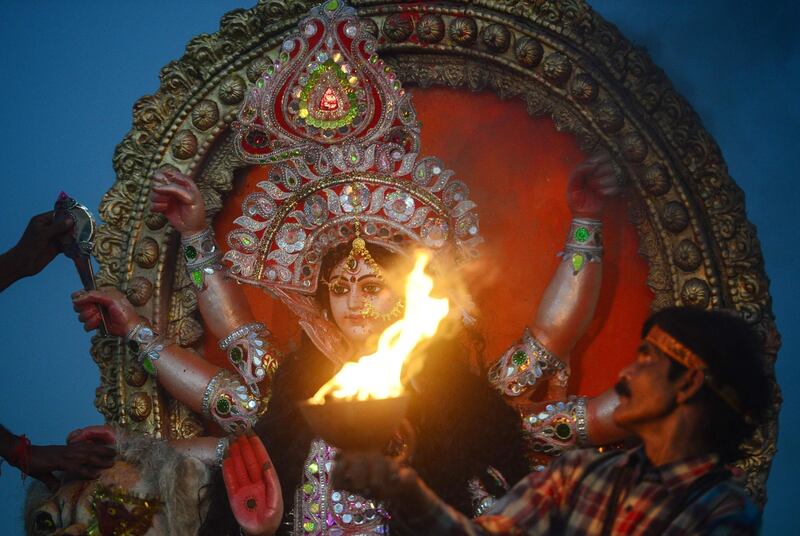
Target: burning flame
[[378, 375]]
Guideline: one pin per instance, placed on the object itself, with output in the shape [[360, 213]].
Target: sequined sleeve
[[525, 365]]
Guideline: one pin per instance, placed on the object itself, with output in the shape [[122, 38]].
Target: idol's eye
[[372, 288], [339, 289]]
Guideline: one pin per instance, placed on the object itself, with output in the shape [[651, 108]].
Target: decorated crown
[[341, 141]]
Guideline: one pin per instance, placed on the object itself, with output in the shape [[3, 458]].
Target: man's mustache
[[622, 388]]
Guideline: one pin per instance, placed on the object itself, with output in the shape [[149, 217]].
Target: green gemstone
[[581, 234], [237, 356], [223, 406], [308, 489], [578, 261], [332, 5], [563, 431], [314, 508], [373, 59], [313, 468], [190, 252], [148, 366], [309, 526], [197, 278], [246, 241], [271, 70], [260, 82], [353, 158], [519, 358], [284, 56]]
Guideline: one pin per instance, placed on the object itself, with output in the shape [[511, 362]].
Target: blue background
[[71, 72]]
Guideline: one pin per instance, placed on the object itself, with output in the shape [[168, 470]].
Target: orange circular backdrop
[[516, 168]]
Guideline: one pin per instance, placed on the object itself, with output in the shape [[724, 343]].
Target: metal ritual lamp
[[356, 424]]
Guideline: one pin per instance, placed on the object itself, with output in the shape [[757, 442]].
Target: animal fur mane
[[178, 480]]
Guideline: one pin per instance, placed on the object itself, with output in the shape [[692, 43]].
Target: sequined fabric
[[324, 511]]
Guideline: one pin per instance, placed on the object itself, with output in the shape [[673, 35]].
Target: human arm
[[254, 490], [38, 246], [530, 507], [83, 459]]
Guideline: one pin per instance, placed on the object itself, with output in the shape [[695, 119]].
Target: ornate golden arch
[[558, 56]]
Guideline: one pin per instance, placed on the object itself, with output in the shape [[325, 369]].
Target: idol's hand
[[590, 185], [121, 317], [253, 487], [176, 196]]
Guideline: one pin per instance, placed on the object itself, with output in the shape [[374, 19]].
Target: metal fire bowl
[[356, 424]]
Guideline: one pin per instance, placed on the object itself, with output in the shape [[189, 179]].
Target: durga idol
[[346, 196]]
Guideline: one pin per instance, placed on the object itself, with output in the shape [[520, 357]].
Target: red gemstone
[[329, 101]]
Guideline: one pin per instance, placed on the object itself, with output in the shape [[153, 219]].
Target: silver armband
[[229, 403], [147, 345], [523, 365], [584, 243], [202, 256], [252, 357]]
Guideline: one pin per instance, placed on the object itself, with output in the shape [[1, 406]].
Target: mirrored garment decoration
[[526, 364], [558, 427], [325, 511]]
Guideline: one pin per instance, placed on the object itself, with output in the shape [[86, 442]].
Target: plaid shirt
[[573, 496]]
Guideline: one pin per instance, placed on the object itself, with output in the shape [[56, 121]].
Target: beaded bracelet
[[221, 450], [581, 421]]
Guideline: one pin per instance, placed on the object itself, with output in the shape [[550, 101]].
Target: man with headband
[[695, 392]]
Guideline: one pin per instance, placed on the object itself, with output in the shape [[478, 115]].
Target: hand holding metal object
[[78, 244]]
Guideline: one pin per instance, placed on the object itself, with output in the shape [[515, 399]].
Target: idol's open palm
[[253, 487]]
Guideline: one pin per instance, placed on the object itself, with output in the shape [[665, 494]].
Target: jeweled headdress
[[341, 140]]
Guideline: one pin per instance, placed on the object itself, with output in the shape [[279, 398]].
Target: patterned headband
[[676, 351]]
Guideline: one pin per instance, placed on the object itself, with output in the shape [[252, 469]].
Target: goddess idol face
[[361, 303]]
